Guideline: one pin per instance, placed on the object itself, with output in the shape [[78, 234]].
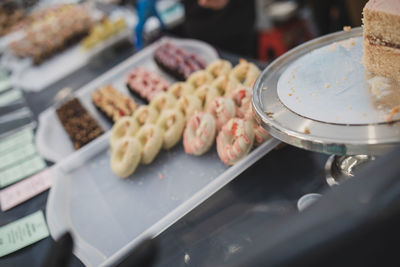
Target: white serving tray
[[108, 216], [52, 141]]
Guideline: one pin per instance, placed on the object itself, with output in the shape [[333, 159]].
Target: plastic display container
[[52, 141], [108, 216]]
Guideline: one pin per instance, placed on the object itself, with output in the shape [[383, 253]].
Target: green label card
[[21, 171], [9, 97], [17, 155], [22, 233], [21, 137]]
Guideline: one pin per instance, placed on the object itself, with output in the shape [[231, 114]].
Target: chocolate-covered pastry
[[112, 103], [77, 122], [176, 61]]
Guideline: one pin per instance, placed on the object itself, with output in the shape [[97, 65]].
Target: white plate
[[51, 140]]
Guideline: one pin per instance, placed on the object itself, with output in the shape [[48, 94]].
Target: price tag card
[[24, 190], [22, 233], [20, 171], [21, 137]]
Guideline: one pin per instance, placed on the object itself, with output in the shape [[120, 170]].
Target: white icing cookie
[[225, 84], [189, 105], [172, 122], [199, 78], [223, 109], [125, 126], [242, 98], [199, 134], [151, 138], [125, 156], [235, 140], [163, 101], [201, 93], [245, 73], [219, 67], [179, 89], [146, 114]]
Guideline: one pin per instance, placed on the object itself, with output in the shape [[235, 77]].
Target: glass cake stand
[[319, 97]]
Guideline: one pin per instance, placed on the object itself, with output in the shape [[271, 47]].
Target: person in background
[[226, 24]]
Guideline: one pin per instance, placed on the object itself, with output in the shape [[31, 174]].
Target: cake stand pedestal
[[351, 143]]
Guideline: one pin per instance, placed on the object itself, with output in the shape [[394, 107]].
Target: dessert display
[[145, 83], [245, 73], [180, 88], [77, 122], [125, 156], [199, 134], [163, 101], [219, 68], [381, 24], [112, 103], [223, 109], [235, 140], [57, 29], [126, 126], [176, 61], [172, 123], [151, 138], [103, 31], [146, 114], [199, 109]]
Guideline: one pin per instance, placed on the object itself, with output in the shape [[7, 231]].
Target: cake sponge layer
[[382, 60], [381, 20]]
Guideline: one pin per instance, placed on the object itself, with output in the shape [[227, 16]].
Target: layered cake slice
[[381, 24]]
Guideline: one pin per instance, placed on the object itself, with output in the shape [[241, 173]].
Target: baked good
[[199, 134], [52, 32], [146, 114], [103, 31], [145, 83], [381, 24], [151, 138], [223, 109], [189, 105], [199, 78], [112, 103], [125, 156], [77, 122], [163, 101], [219, 67], [180, 88], [242, 98], [235, 140], [176, 61], [202, 92], [245, 73], [172, 123], [125, 126], [225, 84]]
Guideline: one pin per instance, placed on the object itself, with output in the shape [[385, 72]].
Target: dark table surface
[[224, 226]]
